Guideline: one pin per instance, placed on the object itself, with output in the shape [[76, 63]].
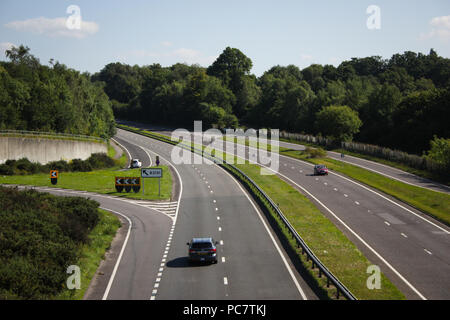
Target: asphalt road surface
[[252, 264], [411, 248], [382, 169]]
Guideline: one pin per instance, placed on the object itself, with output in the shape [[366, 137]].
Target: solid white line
[[181, 187], [392, 177], [129, 155], [148, 155], [111, 279], [356, 235], [362, 186], [346, 226], [271, 237]]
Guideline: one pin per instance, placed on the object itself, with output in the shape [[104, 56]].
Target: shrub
[[315, 152], [60, 165], [80, 165], [100, 160], [40, 236], [25, 166], [6, 170]]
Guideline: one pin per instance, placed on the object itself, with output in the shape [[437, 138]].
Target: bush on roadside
[[315, 152], [24, 166], [40, 236], [100, 160], [78, 165]]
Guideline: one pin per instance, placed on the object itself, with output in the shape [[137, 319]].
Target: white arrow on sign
[[151, 173]]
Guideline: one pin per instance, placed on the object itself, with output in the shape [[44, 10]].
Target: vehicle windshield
[[321, 167], [201, 245]]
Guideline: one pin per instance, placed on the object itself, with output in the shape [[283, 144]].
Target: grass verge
[[93, 253], [328, 243], [435, 204], [100, 181]]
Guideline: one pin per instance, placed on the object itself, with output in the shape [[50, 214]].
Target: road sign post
[[151, 173]]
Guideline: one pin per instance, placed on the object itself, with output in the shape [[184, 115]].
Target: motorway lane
[[253, 267], [382, 169], [415, 245], [385, 170], [411, 248]]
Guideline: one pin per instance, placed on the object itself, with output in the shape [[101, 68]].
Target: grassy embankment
[[41, 235], [433, 203], [100, 181]]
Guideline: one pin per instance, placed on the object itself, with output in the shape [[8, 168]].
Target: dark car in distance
[[202, 250], [320, 169]]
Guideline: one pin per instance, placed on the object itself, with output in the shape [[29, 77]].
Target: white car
[[135, 163]]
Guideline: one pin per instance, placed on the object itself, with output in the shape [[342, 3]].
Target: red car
[[320, 169]]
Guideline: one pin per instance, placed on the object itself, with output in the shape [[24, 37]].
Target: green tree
[[440, 150], [338, 122], [233, 68]]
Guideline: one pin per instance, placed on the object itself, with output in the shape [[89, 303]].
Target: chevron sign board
[[127, 181]]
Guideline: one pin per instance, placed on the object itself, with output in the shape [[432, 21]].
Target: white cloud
[[55, 27], [440, 29]]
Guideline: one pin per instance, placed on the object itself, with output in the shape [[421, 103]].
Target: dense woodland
[[401, 103], [51, 98]]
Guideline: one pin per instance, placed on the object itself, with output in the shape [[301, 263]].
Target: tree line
[[401, 102], [51, 98]]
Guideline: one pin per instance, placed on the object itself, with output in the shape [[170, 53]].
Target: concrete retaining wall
[[44, 150]]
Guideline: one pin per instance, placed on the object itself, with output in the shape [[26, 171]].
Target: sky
[[269, 32]]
